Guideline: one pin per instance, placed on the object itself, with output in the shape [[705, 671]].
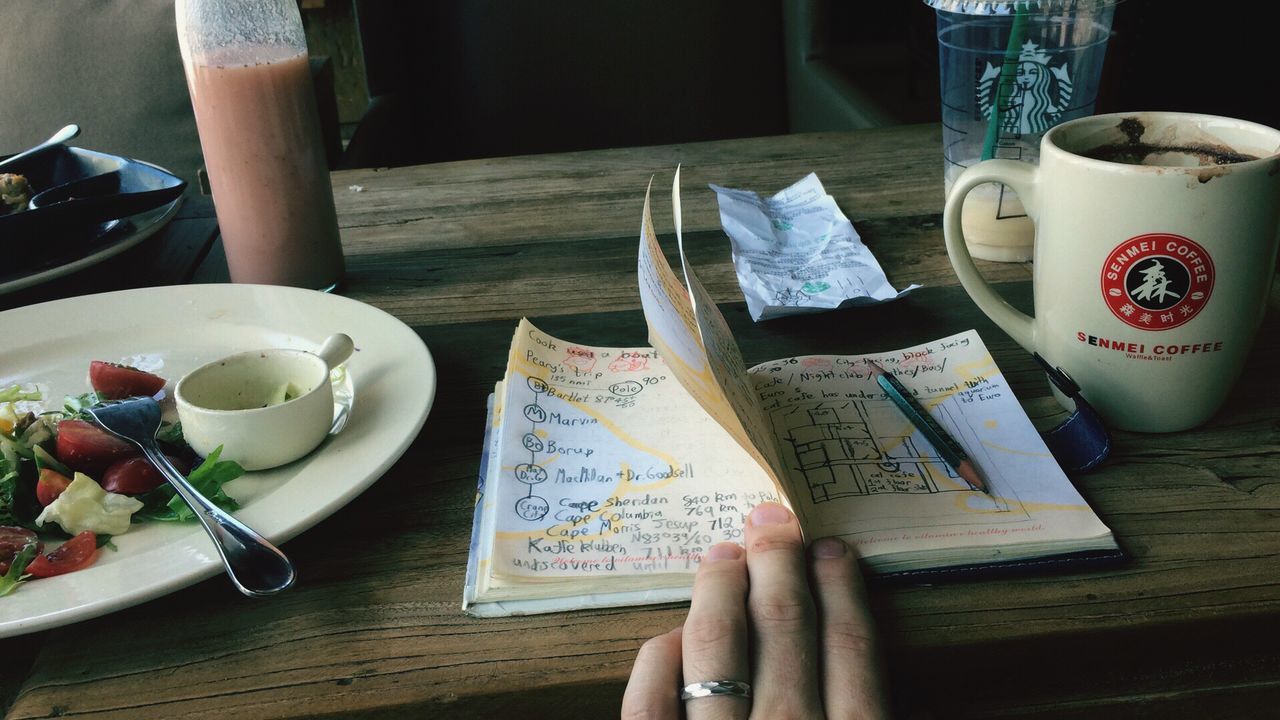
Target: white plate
[[172, 330], [113, 238]]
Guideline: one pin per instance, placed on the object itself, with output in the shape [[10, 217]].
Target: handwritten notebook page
[[606, 466], [688, 330], [480, 551], [723, 354], [857, 467]]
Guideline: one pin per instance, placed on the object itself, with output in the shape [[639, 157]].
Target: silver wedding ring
[[732, 688]]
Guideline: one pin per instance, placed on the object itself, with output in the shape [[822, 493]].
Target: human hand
[[805, 645]]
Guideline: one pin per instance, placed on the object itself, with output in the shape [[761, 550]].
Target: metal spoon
[[58, 138], [256, 567]]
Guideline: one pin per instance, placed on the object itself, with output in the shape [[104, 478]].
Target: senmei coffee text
[[1136, 348], [1173, 246]]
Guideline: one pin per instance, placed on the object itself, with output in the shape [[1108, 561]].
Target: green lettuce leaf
[[166, 505], [8, 488], [45, 459], [14, 393], [76, 405], [12, 579], [18, 503], [170, 434]]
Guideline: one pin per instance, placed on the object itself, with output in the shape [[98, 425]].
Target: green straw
[[1004, 85]]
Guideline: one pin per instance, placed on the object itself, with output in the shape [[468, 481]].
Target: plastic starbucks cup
[[1012, 69]]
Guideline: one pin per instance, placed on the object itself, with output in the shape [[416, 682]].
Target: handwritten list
[[600, 469]]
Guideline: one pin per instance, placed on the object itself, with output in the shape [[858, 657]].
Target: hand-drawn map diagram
[[860, 447]]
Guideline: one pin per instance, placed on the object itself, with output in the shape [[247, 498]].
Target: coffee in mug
[[1156, 237]]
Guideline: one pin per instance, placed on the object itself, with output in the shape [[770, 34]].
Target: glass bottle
[[250, 82]]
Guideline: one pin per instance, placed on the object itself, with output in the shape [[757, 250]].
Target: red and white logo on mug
[[1157, 281]]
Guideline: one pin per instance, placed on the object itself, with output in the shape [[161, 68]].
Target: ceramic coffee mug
[[1156, 239]]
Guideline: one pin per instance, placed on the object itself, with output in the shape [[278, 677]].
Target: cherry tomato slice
[[50, 485], [12, 540], [75, 554], [89, 449], [136, 475], [120, 381]]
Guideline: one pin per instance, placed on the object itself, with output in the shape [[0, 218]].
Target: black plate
[[75, 223]]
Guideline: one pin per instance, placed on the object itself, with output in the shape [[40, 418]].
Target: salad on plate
[[67, 486]]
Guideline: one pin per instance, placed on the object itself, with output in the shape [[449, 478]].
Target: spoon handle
[[336, 349], [58, 138], [256, 567]]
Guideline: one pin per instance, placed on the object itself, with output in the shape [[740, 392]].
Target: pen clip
[[1058, 377], [1081, 441]]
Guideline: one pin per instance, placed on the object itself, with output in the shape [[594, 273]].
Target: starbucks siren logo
[[1037, 98], [1157, 281]]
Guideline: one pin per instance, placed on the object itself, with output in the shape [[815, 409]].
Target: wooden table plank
[[460, 250], [422, 242]]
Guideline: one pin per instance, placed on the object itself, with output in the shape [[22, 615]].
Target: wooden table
[[460, 251]]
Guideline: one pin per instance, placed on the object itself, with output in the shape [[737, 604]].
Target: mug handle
[[1022, 177]]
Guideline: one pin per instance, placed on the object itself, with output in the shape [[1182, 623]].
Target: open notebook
[[609, 471]]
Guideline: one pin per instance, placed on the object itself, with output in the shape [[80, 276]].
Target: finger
[[653, 690], [852, 686], [783, 618], [715, 633]]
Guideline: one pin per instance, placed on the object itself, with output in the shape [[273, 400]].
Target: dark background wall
[[1218, 58], [1214, 57], [705, 55]]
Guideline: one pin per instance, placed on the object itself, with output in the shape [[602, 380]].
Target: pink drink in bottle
[[250, 84]]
